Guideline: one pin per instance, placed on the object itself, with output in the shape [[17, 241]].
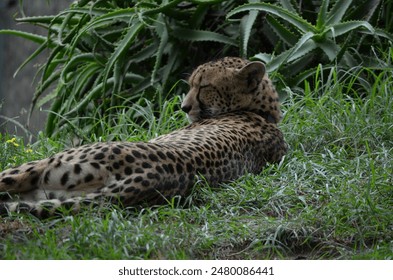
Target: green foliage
[[329, 35], [107, 55]]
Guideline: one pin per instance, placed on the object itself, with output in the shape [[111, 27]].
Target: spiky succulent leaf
[[202, 35], [245, 30], [337, 12], [278, 11], [282, 31]]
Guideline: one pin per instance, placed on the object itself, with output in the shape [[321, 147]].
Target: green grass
[[330, 198]]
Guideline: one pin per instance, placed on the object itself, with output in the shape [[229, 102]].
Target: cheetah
[[234, 110]]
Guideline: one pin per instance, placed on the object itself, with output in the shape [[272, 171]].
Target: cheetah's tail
[[48, 208]]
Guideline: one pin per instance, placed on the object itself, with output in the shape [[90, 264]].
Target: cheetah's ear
[[253, 73]]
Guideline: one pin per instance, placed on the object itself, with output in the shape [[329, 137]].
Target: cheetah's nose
[[186, 108]]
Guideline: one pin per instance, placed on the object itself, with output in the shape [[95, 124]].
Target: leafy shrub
[[326, 34], [108, 57]]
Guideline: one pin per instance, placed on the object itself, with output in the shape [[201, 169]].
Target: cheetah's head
[[228, 85]]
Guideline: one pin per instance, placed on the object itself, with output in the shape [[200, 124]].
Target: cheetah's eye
[[202, 94]]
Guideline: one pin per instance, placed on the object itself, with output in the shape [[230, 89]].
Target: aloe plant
[[106, 56], [329, 40]]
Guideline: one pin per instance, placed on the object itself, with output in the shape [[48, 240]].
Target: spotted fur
[[234, 110]]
